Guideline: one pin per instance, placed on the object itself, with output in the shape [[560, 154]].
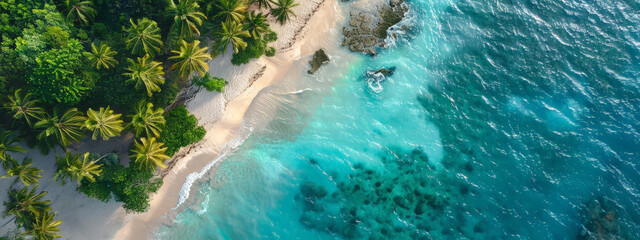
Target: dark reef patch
[[408, 200]]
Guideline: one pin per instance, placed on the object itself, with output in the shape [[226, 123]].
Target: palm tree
[[192, 58], [230, 10], [25, 204], [65, 128], [44, 227], [7, 144], [148, 154], [80, 11], [104, 123], [186, 16], [147, 120], [24, 107], [256, 24], [282, 10], [24, 172], [233, 33], [146, 72], [101, 57], [144, 37], [77, 168], [261, 3]]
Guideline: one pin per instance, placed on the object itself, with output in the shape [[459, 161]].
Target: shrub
[[210, 83], [271, 36], [180, 130], [130, 186], [270, 52]]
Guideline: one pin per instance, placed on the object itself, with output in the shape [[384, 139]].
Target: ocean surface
[[504, 119]]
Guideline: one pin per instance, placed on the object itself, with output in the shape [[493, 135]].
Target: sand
[[220, 113]]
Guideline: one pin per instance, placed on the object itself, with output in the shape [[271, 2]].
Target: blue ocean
[[503, 119]]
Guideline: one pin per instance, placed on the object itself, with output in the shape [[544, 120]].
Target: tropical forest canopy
[[81, 70]]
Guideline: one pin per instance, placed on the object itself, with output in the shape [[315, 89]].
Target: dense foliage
[[180, 130], [128, 185], [210, 83], [75, 68]]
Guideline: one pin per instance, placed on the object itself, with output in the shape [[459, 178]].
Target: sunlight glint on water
[[526, 112]]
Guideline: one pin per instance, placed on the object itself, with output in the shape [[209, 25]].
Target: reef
[[367, 30], [319, 58], [402, 202], [602, 222]]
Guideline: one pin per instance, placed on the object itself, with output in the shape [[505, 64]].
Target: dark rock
[[319, 58], [367, 31], [385, 72]]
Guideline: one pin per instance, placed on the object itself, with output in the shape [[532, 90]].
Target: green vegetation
[[210, 83], [70, 69], [8, 144], [149, 154], [101, 57], [24, 172], [282, 10], [147, 120], [61, 128], [146, 73], [180, 130], [76, 167], [103, 123], [191, 58], [186, 17], [144, 37]]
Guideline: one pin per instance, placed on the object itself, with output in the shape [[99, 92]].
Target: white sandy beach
[[220, 113]]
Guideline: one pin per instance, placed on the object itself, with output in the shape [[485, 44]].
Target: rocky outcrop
[[319, 58], [366, 30], [385, 72]]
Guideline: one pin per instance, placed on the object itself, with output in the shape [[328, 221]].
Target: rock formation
[[319, 58], [366, 31]]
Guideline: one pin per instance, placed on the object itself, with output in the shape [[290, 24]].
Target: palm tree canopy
[[77, 168], [146, 72], [230, 10], [192, 58], [148, 153], [8, 141], [256, 24], [104, 123], [186, 16], [262, 3], [101, 57], [24, 172], [24, 107], [232, 32], [282, 10], [25, 204], [144, 37], [147, 120], [80, 11], [45, 227], [66, 128]]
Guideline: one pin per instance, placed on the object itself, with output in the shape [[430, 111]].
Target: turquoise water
[[504, 119]]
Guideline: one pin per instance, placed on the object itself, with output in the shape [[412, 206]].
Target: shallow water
[[504, 119]]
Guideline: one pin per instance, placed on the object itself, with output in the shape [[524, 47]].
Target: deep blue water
[[504, 119]]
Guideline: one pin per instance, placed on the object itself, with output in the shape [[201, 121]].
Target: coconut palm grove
[[77, 71]]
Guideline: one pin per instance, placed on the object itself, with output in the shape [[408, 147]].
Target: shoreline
[[222, 113]]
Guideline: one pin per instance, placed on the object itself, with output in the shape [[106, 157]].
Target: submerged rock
[[402, 202], [367, 30], [319, 58], [602, 222]]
